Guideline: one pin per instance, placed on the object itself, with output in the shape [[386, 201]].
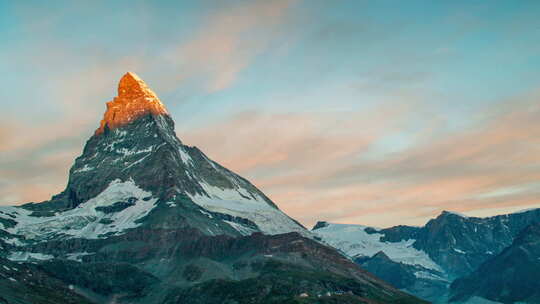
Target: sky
[[368, 112]]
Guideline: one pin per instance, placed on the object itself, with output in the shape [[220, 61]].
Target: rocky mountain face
[[460, 244], [425, 260], [509, 277], [147, 219]]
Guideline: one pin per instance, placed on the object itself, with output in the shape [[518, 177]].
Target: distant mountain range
[[452, 258], [145, 218]]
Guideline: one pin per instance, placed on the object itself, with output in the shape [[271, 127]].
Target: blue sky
[[373, 112]]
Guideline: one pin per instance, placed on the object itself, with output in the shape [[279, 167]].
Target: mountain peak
[[132, 86], [446, 213], [381, 255], [135, 99], [320, 224]]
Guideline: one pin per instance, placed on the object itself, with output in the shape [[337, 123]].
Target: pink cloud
[[312, 166], [222, 47]]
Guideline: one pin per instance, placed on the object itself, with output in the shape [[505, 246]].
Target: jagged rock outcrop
[[135, 99]]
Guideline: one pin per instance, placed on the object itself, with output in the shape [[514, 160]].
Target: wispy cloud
[[229, 41], [314, 166], [295, 139]]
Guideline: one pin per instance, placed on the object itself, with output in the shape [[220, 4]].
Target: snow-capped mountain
[[396, 261], [145, 218], [446, 248], [136, 148], [362, 241]]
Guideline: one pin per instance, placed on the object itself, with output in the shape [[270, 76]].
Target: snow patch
[[120, 133], [137, 162], [230, 201], [13, 241], [206, 213], [429, 276], [84, 169], [22, 256], [353, 240], [186, 159], [84, 221], [76, 256], [240, 228], [128, 152]]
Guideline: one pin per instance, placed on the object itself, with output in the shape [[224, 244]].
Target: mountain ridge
[[448, 247]]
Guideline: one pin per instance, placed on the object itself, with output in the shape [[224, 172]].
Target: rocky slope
[[446, 248], [147, 219], [510, 277]]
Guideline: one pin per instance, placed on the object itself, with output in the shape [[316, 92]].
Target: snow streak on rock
[[238, 202]]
